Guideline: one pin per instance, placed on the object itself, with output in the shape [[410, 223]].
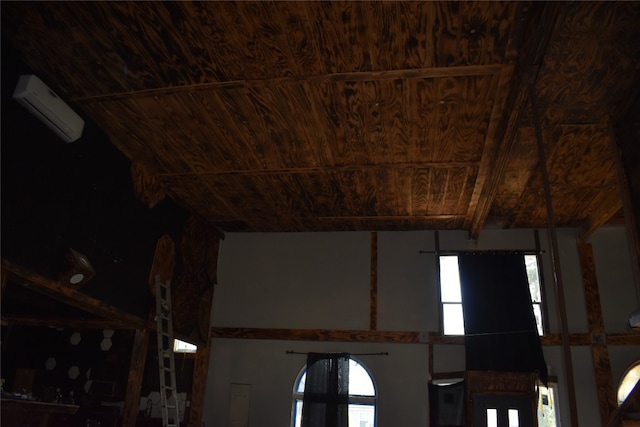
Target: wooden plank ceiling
[[317, 116]]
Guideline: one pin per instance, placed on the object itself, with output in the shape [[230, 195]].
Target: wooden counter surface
[[15, 412]]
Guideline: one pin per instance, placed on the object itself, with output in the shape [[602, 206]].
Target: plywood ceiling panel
[[315, 116]]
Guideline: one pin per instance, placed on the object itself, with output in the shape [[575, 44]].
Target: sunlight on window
[[628, 382], [183, 347], [362, 396], [492, 417], [451, 295], [360, 383], [450, 279], [514, 418], [453, 319], [531, 265]]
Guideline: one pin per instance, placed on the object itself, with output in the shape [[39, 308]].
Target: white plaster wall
[[293, 280], [400, 379], [322, 280], [407, 282], [612, 257]]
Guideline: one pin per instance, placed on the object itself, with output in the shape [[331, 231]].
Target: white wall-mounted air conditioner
[[43, 103]]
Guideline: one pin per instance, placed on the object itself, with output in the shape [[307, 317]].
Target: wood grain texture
[[325, 116], [501, 382], [599, 351], [164, 262], [316, 335], [147, 186], [199, 384], [72, 297], [591, 291], [136, 374], [413, 337], [192, 290]]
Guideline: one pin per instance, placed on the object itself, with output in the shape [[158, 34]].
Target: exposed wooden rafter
[[523, 71], [71, 297]]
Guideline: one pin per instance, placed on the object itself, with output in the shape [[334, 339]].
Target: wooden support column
[[199, 386], [555, 257], [599, 347], [136, 374], [373, 311]]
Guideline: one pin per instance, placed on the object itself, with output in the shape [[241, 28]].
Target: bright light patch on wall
[[183, 347], [628, 382]]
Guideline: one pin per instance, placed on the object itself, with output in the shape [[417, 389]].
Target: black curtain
[[326, 391], [500, 327], [447, 405]]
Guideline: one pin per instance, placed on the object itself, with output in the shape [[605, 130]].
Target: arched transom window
[[628, 382], [362, 397]]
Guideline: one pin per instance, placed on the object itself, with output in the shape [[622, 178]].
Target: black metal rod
[[471, 251], [350, 354]]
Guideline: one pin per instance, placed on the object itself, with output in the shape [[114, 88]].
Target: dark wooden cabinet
[[490, 398]]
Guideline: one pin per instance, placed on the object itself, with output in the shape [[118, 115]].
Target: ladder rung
[[170, 412]]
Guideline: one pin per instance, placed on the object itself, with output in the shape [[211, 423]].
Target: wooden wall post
[[599, 348], [136, 374], [199, 386]]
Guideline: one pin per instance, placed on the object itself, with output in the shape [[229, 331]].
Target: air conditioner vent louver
[[42, 102]]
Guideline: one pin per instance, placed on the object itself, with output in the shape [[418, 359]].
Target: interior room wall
[[322, 280]]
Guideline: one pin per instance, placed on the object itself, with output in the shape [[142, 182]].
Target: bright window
[[183, 347], [362, 397], [628, 382], [451, 295]]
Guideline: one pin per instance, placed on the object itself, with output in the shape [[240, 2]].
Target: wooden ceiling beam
[[413, 73], [390, 217], [601, 215], [73, 297], [493, 165], [325, 169], [516, 75], [66, 322], [317, 335]]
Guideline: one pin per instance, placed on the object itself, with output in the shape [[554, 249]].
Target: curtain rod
[[471, 251], [350, 354]]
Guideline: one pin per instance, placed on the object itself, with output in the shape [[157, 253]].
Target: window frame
[[354, 399], [441, 304]]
